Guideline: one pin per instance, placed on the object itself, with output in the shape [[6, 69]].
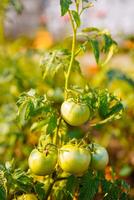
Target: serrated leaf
[[112, 50], [26, 110], [90, 29], [3, 195], [17, 5], [76, 17], [115, 108], [55, 62], [38, 125], [95, 46], [109, 105], [124, 196], [70, 187], [103, 103], [89, 187], [117, 74], [123, 184], [113, 190], [65, 6], [21, 181], [108, 42], [52, 124], [110, 190], [39, 189]]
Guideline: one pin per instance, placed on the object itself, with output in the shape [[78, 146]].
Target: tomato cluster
[[71, 158]]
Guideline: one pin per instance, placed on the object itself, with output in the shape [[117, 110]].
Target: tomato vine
[[60, 167]]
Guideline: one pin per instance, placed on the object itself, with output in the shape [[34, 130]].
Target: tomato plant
[[74, 160], [64, 167]]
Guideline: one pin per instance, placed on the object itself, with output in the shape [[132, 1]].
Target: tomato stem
[[51, 186], [72, 54], [56, 136], [49, 190]]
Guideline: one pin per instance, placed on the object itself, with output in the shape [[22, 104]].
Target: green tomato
[[99, 157], [55, 95], [75, 114], [26, 197], [74, 159], [43, 163]]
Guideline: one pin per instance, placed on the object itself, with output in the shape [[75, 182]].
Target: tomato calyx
[[47, 148]]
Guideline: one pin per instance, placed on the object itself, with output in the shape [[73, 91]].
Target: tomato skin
[[55, 95], [99, 157], [74, 159], [42, 164], [26, 197], [75, 114]]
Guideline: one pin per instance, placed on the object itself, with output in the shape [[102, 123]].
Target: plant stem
[[49, 190], [51, 186], [72, 55], [56, 138]]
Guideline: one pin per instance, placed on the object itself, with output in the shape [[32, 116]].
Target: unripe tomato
[[99, 157], [74, 159], [55, 95], [73, 113], [26, 197], [43, 163]]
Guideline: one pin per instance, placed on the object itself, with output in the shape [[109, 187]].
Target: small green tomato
[[75, 114]]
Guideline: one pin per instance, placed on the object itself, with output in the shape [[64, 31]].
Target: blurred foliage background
[[25, 35]]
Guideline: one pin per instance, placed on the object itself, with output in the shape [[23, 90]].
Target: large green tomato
[[26, 197], [74, 114], [99, 157], [43, 163], [74, 159]]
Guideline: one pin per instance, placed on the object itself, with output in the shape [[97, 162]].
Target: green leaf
[[123, 184], [117, 74], [103, 103], [112, 50], [95, 47], [89, 187], [109, 105], [25, 111], [90, 29], [70, 187], [3, 195], [17, 5], [108, 42], [22, 181], [124, 196], [3, 184], [114, 190], [65, 6], [39, 189], [55, 62], [115, 108], [52, 124], [39, 125], [76, 17], [111, 191]]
